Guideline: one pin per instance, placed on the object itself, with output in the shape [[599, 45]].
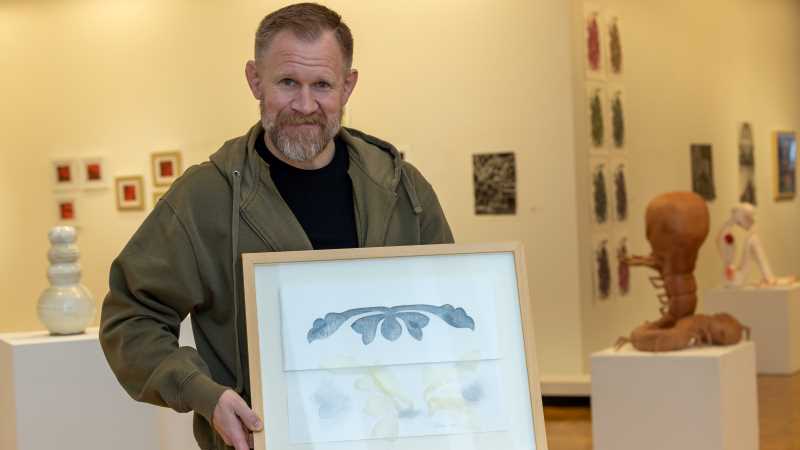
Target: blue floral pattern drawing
[[412, 316]]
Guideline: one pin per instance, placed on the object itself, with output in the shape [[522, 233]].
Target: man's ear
[[350, 83], [253, 79]]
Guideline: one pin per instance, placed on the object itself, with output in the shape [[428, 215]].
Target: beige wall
[[445, 79], [695, 70]]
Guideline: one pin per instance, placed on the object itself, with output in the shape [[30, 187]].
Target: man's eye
[[322, 85], [287, 82]]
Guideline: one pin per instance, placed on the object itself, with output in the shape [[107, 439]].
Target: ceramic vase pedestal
[[66, 307]]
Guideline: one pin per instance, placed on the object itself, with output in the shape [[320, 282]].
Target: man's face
[[302, 88]]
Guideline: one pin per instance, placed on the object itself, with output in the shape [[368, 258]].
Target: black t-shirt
[[321, 200]]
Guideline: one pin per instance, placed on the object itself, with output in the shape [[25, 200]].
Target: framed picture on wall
[[93, 173], [66, 210], [494, 177], [785, 150], [129, 192], [166, 167], [65, 174], [703, 171], [594, 58], [442, 357]]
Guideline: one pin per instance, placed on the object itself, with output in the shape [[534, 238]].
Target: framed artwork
[[620, 191], [703, 171], [166, 167], [785, 151], [601, 268], [441, 357], [747, 165], [614, 48], [593, 42], [495, 182], [600, 192], [129, 192], [622, 267], [596, 116], [65, 174], [617, 116], [66, 210], [93, 173]]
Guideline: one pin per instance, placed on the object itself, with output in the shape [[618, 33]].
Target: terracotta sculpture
[[735, 275], [677, 225]]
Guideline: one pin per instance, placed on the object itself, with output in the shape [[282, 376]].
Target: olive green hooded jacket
[[185, 259]]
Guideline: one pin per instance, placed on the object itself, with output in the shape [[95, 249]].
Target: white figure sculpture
[[743, 216], [66, 307]]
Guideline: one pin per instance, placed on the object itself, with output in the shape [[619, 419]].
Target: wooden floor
[[570, 427]]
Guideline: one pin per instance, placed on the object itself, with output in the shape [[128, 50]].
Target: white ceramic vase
[[66, 307]]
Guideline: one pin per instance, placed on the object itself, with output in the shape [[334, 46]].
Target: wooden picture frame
[[129, 192], [165, 167], [473, 384], [784, 153]]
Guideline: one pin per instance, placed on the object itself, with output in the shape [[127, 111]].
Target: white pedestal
[[773, 315], [59, 393], [696, 399]]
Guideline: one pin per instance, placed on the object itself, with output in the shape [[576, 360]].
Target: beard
[[300, 143]]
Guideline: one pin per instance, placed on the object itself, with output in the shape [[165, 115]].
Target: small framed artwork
[[617, 116], [596, 105], [620, 190], [93, 173], [747, 165], [166, 167], [130, 193], [785, 151], [65, 174], [443, 357], [614, 49], [622, 267], [593, 41], [66, 209], [601, 202], [703, 171], [494, 177], [601, 268]]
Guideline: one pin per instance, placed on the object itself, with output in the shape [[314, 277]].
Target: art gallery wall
[[442, 80], [693, 71]]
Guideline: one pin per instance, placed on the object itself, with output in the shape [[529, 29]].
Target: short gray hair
[[307, 21]]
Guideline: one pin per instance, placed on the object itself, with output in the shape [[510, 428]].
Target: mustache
[[316, 118]]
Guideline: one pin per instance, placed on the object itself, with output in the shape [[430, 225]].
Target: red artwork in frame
[[66, 210], [129, 192], [166, 167]]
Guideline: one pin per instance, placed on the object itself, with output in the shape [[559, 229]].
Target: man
[[295, 181]]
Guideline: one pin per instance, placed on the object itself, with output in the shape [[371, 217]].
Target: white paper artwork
[[394, 401], [378, 327], [367, 363]]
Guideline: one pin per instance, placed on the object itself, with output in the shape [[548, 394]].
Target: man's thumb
[[249, 418]]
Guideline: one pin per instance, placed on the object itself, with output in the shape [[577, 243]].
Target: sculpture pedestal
[[59, 393], [696, 399], [773, 315]]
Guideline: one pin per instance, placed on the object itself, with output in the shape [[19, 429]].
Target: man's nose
[[304, 102]]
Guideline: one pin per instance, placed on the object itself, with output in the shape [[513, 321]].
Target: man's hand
[[235, 421]]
